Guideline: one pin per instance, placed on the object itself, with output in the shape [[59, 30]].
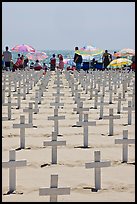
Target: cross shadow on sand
[[82, 147], [90, 188], [13, 192], [19, 148]]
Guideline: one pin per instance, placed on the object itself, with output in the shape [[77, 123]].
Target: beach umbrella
[[89, 52], [119, 63], [23, 48], [125, 52], [37, 56]]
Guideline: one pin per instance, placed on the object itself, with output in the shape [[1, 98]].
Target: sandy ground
[[117, 181]]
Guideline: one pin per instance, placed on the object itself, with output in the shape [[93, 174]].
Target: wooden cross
[[85, 123], [97, 164], [54, 191], [125, 141], [111, 117], [12, 164], [22, 127], [54, 143], [56, 118]]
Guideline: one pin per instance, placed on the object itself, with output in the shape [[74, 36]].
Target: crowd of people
[[23, 62]]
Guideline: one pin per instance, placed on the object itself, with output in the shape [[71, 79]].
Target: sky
[[64, 25]]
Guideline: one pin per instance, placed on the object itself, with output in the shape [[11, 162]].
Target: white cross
[[96, 98], [36, 102], [102, 103], [57, 104], [77, 97], [80, 110], [56, 118], [119, 99], [85, 125], [58, 92], [111, 117], [9, 87], [129, 109], [54, 143], [24, 91], [18, 99], [124, 83], [30, 110], [54, 191], [97, 164], [133, 98], [22, 127], [9, 104], [12, 164], [125, 141]]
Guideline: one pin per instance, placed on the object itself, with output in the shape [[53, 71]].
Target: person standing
[[61, 63], [106, 58], [53, 63], [77, 60], [7, 57]]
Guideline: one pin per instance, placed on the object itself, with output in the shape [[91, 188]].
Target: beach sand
[[117, 181]]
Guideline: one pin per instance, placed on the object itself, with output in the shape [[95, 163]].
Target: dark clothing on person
[[78, 61], [53, 63], [107, 57], [26, 62], [7, 64]]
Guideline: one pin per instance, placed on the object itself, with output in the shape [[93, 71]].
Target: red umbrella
[[23, 48]]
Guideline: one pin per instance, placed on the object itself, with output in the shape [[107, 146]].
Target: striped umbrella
[[119, 63], [125, 52], [89, 52]]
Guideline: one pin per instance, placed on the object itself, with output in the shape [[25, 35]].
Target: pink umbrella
[[23, 48], [37, 56]]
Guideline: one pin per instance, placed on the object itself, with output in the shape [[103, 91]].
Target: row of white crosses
[[18, 94], [97, 166], [54, 191]]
